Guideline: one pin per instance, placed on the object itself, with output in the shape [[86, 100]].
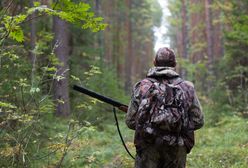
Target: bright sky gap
[[160, 32]]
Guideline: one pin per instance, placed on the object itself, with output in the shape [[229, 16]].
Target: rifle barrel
[[98, 96]]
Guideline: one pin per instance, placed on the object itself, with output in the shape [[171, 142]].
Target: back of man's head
[[165, 57]]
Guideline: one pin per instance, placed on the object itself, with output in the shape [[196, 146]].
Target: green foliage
[[91, 148], [157, 12], [225, 79], [79, 14], [90, 70], [26, 104], [233, 66], [107, 84], [21, 106], [31, 136], [12, 27], [174, 21], [222, 146], [193, 70], [145, 21], [75, 13], [26, 109], [6, 105]]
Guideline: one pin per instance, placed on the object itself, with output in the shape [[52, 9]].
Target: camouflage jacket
[[191, 106]]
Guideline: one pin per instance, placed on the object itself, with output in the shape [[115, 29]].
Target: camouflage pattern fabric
[[161, 112], [156, 156], [192, 109]]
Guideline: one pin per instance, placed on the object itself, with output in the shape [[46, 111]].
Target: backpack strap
[[153, 80], [178, 81], [146, 91]]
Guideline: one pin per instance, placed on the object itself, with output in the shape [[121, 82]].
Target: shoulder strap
[[153, 80], [146, 91], [178, 81]]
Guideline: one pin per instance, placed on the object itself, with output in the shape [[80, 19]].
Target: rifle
[[102, 98]]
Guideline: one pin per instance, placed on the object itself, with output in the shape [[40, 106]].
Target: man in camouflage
[[158, 153]]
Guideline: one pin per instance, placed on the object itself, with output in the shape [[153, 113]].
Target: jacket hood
[[162, 72]]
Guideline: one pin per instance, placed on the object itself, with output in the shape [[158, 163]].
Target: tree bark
[[218, 39], [209, 32], [197, 35], [129, 52], [99, 36], [184, 36], [62, 51]]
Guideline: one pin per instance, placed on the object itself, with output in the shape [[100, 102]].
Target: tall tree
[[218, 27], [142, 36], [108, 42], [62, 51], [235, 69], [184, 32], [127, 42], [209, 32], [197, 39], [129, 47]]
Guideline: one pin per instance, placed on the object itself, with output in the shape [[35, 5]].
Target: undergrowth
[[222, 145]]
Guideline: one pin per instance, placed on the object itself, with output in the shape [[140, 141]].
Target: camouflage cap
[[165, 57]]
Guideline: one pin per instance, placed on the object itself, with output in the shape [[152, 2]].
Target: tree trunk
[[107, 33], [209, 32], [62, 51], [197, 35], [129, 52], [99, 36], [184, 36], [209, 37], [218, 39]]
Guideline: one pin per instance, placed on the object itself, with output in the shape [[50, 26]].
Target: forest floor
[[224, 145], [220, 145]]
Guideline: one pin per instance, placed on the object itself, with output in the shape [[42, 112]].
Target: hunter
[[164, 111]]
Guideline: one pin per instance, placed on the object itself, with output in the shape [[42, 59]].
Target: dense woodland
[[211, 39], [107, 46]]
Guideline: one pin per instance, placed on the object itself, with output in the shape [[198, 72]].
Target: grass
[[224, 145]]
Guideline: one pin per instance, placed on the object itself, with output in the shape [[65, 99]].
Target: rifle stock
[[102, 98]]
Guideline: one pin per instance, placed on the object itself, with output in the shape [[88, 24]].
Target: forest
[[108, 46]]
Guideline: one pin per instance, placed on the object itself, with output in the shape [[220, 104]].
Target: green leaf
[[7, 105], [75, 78], [17, 35], [36, 4]]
